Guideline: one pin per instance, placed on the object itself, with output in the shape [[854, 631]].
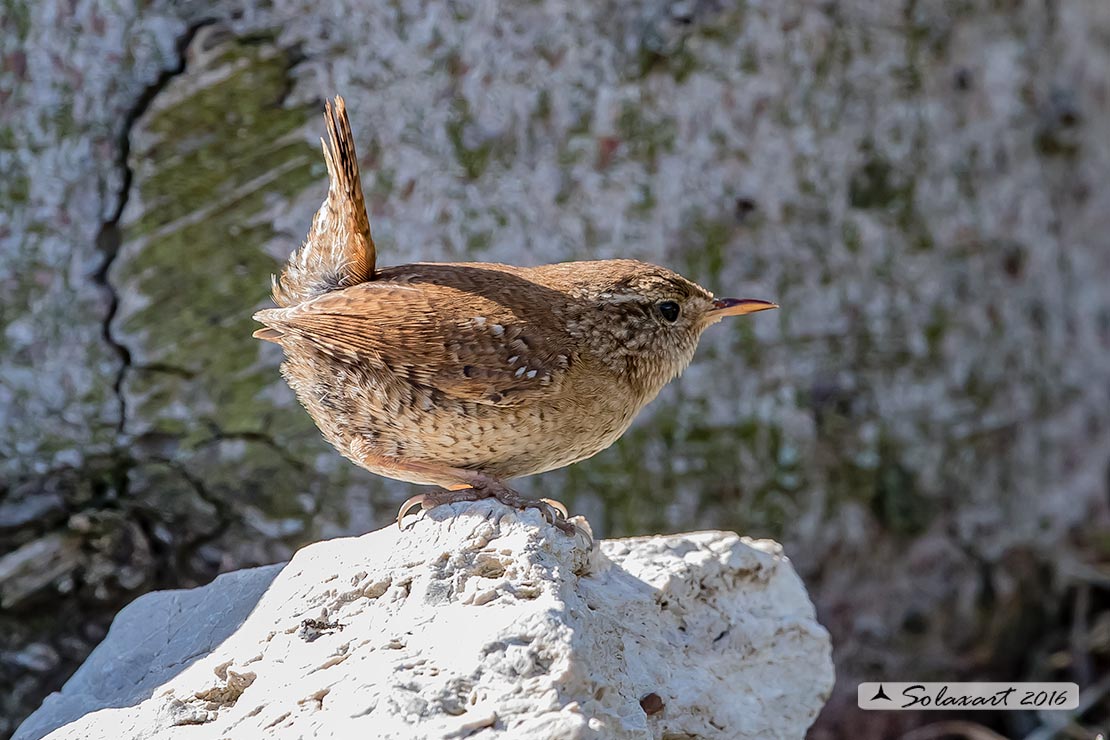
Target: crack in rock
[[109, 239]]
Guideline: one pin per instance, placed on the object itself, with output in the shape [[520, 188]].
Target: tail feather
[[339, 251]]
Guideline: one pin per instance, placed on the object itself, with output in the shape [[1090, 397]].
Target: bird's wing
[[339, 251], [393, 330]]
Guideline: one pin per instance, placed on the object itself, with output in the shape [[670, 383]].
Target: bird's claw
[[411, 503], [557, 505], [556, 515], [553, 511]]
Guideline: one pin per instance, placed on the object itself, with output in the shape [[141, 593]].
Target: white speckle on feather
[[520, 371], [497, 329], [478, 321], [531, 374], [513, 359]]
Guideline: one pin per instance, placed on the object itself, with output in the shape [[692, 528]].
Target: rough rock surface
[[920, 183], [488, 624]]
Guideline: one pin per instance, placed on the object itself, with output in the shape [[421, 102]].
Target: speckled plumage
[[468, 374]]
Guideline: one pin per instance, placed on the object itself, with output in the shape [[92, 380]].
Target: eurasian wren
[[464, 375]]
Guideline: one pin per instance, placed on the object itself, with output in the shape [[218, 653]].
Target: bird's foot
[[440, 497], [553, 511]]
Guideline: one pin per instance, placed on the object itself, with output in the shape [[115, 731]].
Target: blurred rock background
[[924, 185]]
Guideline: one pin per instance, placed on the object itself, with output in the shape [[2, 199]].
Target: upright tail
[[339, 251]]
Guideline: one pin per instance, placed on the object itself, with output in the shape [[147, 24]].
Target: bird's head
[[647, 318]]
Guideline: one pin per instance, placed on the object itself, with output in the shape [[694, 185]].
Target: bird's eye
[[669, 310]]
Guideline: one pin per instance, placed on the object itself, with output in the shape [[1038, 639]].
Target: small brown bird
[[465, 375]]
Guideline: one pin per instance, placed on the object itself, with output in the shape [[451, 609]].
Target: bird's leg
[[466, 492], [459, 484], [486, 487]]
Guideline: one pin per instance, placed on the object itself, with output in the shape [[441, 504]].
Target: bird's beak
[[738, 307]]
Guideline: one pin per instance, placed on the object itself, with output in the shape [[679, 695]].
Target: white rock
[[488, 624]]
